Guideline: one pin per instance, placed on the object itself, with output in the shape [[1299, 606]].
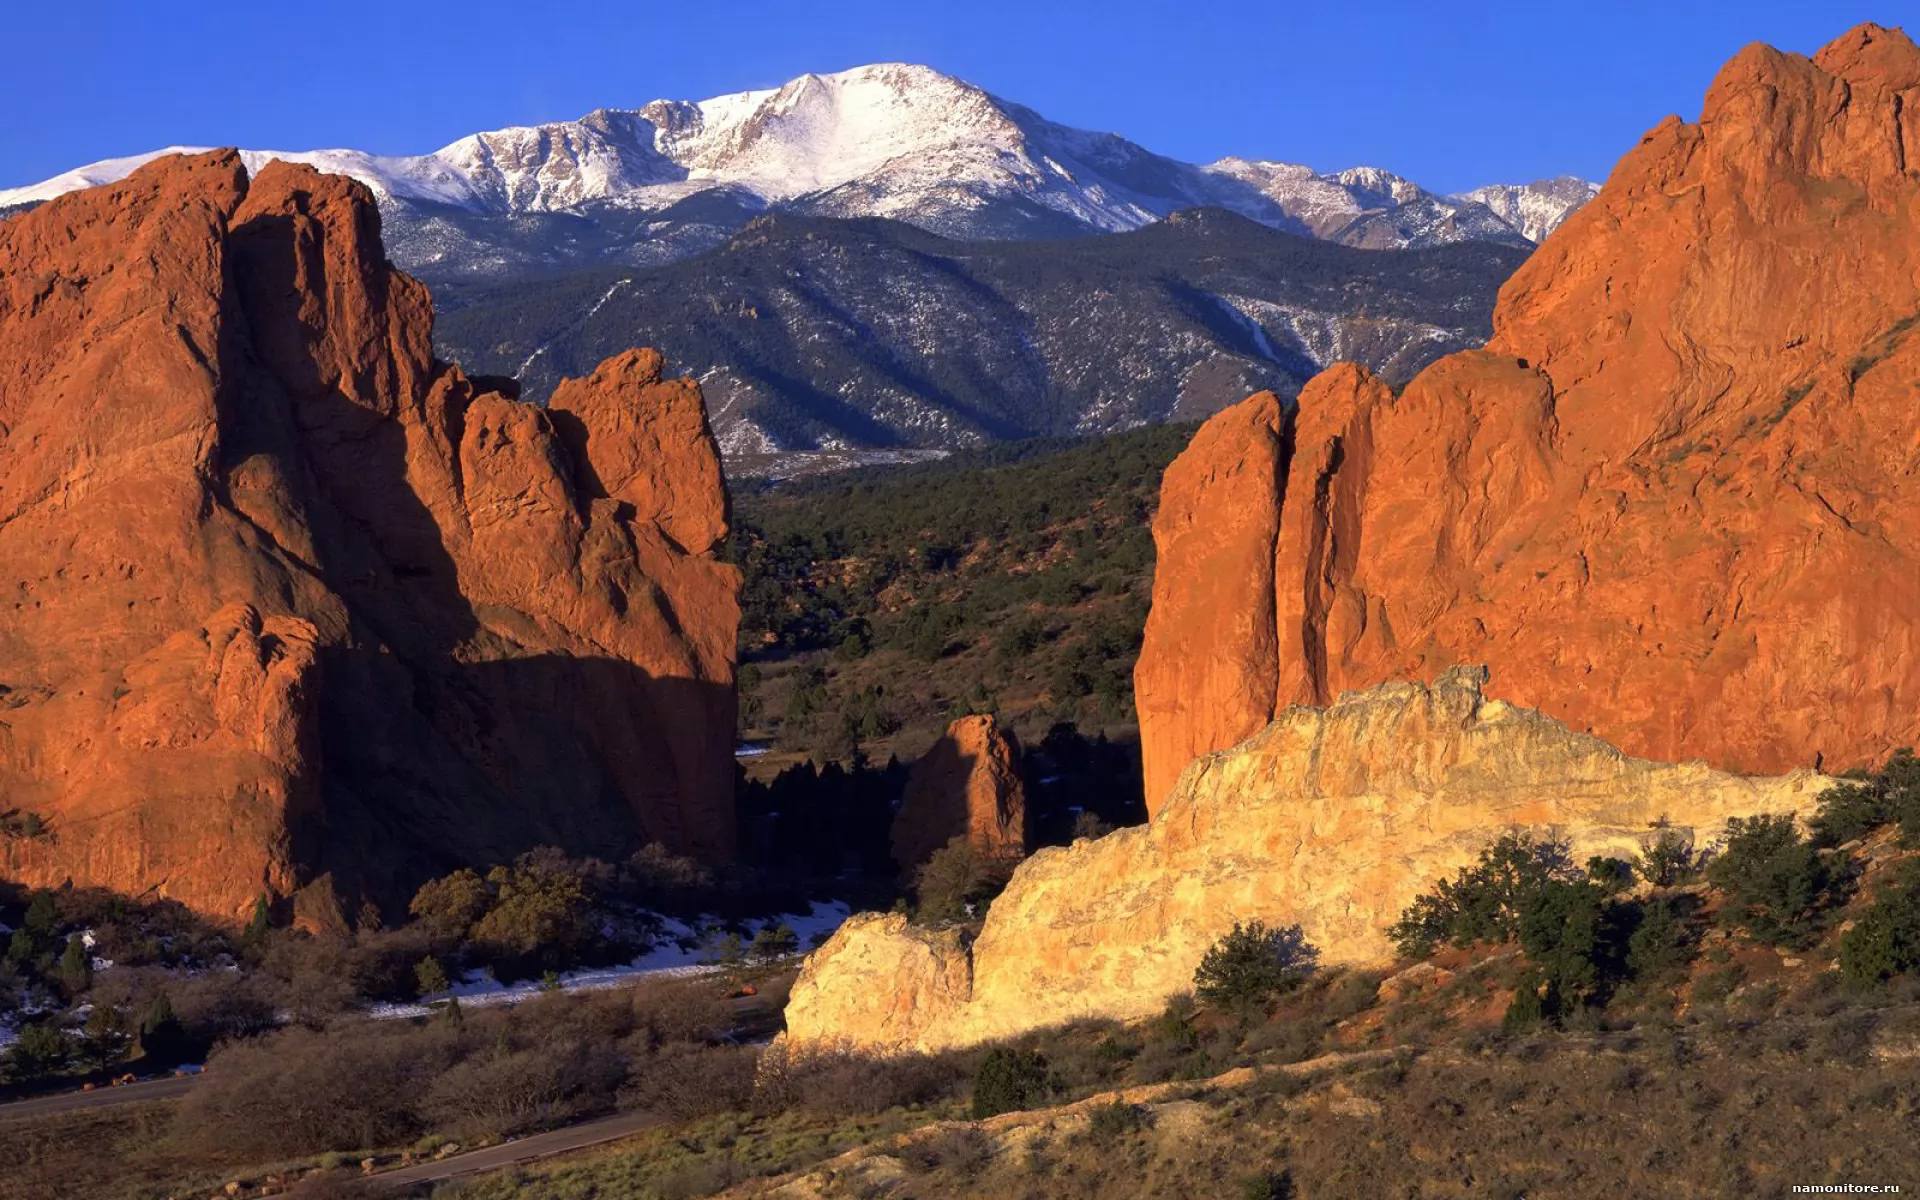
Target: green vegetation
[[180, 987], [958, 883], [1777, 884], [1251, 965], [1487, 901], [878, 604], [1867, 802], [1668, 858], [1885, 942], [1581, 937], [1010, 1079]]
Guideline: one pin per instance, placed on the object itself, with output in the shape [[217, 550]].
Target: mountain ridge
[[892, 140], [825, 334]]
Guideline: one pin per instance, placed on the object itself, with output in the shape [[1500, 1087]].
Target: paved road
[[527, 1149], [171, 1088]]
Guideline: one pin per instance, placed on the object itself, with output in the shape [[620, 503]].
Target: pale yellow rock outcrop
[[1335, 818]]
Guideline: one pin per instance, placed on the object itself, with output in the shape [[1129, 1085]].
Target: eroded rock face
[[1674, 501], [289, 605], [967, 785], [1334, 817]]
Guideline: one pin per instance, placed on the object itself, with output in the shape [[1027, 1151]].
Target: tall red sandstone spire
[[289, 607], [1675, 501]]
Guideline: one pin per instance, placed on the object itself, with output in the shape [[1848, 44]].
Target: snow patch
[[680, 953]]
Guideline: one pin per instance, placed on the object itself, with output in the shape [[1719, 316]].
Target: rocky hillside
[[880, 603], [889, 140], [811, 334], [304, 615], [1672, 502], [1333, 818]]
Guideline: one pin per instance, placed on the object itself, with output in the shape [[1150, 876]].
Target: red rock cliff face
[[966, 785], [1675, 501], [289, 607]]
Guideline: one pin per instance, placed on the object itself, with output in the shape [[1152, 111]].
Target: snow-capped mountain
[[1535, 209], [820, 335], [891, 140]]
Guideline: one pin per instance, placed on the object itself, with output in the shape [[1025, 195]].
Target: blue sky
[[1450, 95]]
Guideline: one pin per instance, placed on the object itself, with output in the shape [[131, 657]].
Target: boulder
[[291, 608], [1674, 502], [967, 785], [1332, 817]]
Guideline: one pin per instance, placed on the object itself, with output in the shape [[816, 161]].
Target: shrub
[[1174, 1026], [1088, 824], [964, 1150], [450, 905], [1484, 902], [687, 1082], [301, 1092], [1528, 1007], [1610, 874], [668, 1012], [1009, 1080], [774, 941], [1268, 1185], [659, 878], [507, 1092], [1667, 857], [42, 1048], [1885, 941], [958, 883], [1110, 1122], [538, 918], [1855, 808], [844, 1083], [430, 978], [108, 1035], [1251, 965], [1660, 944], [1775, 881]]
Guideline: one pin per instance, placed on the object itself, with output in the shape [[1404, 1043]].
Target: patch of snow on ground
[[679, 953]]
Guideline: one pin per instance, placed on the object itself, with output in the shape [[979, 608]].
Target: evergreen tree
[[429, 977], [162, 1038], [76, 967]]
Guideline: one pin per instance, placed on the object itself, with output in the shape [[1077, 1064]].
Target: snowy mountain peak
[[896, 140]]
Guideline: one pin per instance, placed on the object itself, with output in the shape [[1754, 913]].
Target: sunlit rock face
[[1674, 502], [1333, 818]]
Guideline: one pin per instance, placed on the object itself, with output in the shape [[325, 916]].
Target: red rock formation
[[968, 785], [290, 605], [1674, 502]]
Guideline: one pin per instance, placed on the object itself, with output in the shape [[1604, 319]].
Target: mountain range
[[832, 335], [891, 258], [892, 140]]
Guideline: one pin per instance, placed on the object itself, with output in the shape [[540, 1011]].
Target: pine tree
[[162, 1040], [76, 967], [429, 977], [42, 916]]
